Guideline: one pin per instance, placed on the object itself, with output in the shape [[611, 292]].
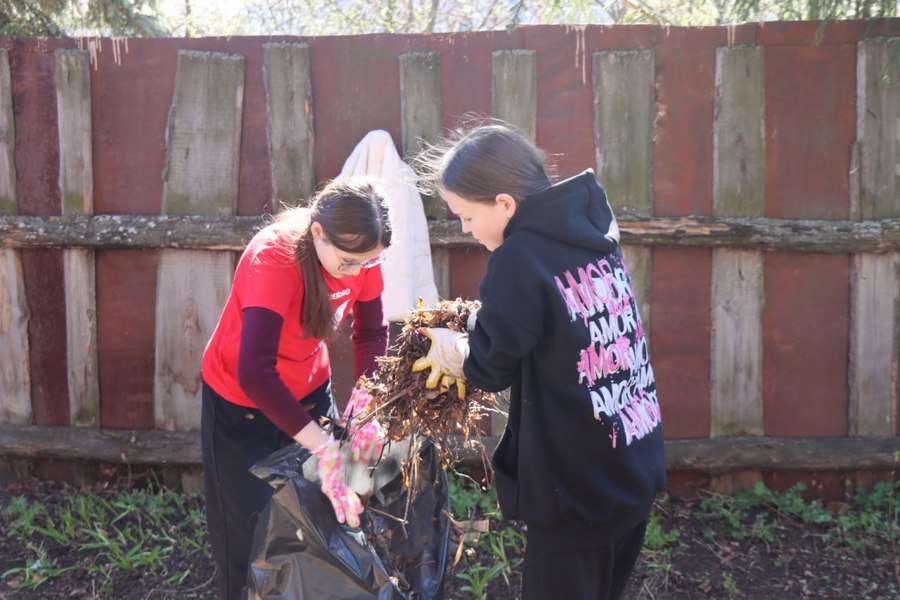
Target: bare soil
[[776, 557]]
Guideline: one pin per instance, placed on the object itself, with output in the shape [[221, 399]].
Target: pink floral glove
[[366, 439], [347, 506]]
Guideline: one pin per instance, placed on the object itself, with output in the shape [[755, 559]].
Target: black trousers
[[233, 439], [596, 574]]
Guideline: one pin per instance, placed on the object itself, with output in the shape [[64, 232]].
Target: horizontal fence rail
[[714, 455], [103, 232]]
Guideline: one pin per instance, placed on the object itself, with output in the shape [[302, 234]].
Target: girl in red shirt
[[266, 370]]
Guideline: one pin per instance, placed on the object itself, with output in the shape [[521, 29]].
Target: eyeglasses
[[349, 265]]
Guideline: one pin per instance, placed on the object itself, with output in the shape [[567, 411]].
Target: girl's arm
[[260, 332], [370, 335]]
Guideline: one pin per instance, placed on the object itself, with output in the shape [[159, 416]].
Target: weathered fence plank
[[232, 233], [7, 139], [875, 293], [714, 455], [624, 110], [76, 187], [421, 120], [421, 112], [737, 291], [514, 89], [201, 177], [289, 123], [15, 385], [15, 368]]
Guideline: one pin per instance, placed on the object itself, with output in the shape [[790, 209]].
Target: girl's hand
[[445, 359], [347, 506], [366, 438]]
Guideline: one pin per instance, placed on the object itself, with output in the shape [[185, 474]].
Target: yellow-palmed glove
[[445, 359]]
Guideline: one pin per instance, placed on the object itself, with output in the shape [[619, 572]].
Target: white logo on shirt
[[339, 312], [340, 294]]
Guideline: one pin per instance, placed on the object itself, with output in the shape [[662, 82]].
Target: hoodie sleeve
[[507, 325]]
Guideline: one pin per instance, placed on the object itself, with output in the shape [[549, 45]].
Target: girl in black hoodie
[[581, 459]]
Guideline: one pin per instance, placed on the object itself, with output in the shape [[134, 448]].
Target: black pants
[[596, 574], [234, 438]]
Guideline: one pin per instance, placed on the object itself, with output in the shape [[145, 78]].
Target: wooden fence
[[755, 170]]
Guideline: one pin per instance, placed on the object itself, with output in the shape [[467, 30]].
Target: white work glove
[[445, 359]]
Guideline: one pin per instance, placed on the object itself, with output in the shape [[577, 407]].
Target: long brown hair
[[355, 217], [481, 161]]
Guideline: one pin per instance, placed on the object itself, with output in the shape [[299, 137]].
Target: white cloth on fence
[[407, 268]]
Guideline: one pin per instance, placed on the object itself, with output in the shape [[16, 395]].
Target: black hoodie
[[582, 455]]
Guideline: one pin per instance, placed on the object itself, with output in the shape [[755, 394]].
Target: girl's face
[[484, 220], [338, 263]]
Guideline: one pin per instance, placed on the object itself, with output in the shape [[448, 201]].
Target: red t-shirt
[[268, 276]]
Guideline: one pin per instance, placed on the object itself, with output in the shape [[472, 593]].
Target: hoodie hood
[[574, 210]]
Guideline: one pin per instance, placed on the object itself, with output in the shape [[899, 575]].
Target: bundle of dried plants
[[407, 409]]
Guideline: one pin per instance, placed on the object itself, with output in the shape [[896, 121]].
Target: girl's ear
[[507, 203], [316, 229]]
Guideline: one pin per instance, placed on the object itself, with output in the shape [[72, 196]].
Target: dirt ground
[[697, 551]]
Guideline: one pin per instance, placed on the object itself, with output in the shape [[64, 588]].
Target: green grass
[[100, 534], [105, 537], [869, 519]]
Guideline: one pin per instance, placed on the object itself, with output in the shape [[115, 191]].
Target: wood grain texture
[[232, 233], [79, 274], [201, 178], [8, 202], [422, 115], [874, 333], [76, 190], [736, 291], [875, 292], [192, 288], [203, 135], [716, 455], [73, 110], [514, 89], [289, 123], [624, 111], [15, 384], [736, 347]]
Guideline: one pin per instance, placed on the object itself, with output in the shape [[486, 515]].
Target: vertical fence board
[[76, 181], [624, 110], [422, 118], [8, 202], [201, 175], [514, 89], [421, 111], [15, 385], [289, 122], [514, 100], [737, 275], [874, 295], [873, 343]]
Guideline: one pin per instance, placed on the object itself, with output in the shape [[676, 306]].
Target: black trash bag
[[300, 551]]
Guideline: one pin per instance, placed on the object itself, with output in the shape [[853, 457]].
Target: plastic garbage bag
[[300, 551]]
